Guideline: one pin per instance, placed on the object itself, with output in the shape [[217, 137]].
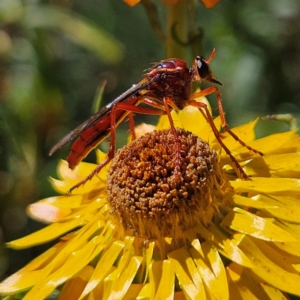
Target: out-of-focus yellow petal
[[72, 177], [20, 281], [53, 259], [270, 267], [47, 213], [192, 119], [164, 123], [187, 274], [29, 275], [245, 132], [46, 234], [211, 268], [74, 286], [141, 130], [271, 186], [261, 228], [76, 261]]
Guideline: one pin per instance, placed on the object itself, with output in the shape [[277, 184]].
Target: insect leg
[[224, 124], [151, 102], [167, 103], [212, 55], [131, 126], [111, 152], [201, 105]]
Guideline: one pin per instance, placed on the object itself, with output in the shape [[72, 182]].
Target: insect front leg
[[224, 124], [210, 120], [167, 103]]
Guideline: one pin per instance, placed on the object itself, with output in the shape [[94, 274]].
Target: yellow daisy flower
[[145, 233]]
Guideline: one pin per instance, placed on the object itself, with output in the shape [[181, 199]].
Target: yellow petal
[[279, 165], [187, 274], [211, 268], [122, 284], [245, 222], [255, 202], [46, 234], [47, 213], [29, 275], [103, 267], [133, 291], [72, 177], [163, 122], [282, 207], [148, 258], [20, 281], [242, 284], [98, 205], [245, 132], [271, 186], [270, 267], [72, 289], [162, 280], [275, 143], [71, 266], [272, 293], [192, 119], [223, 244], [144, 293], [290, 250]]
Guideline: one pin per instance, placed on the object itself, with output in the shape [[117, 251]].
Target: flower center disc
[[150, 200]]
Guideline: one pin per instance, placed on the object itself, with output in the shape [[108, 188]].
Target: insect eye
[[202, 67]]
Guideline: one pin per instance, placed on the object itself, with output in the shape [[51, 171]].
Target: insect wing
[[74, 134]]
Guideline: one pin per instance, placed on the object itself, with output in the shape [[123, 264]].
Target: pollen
[[150, 199]]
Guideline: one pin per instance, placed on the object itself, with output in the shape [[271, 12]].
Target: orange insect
[[167, 86]]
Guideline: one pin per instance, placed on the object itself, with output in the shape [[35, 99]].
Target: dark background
[[54, 54]]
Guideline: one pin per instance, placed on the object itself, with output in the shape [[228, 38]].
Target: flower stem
[[177, 22], [183, 40]]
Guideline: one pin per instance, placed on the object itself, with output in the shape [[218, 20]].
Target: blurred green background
[[54, 54]]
